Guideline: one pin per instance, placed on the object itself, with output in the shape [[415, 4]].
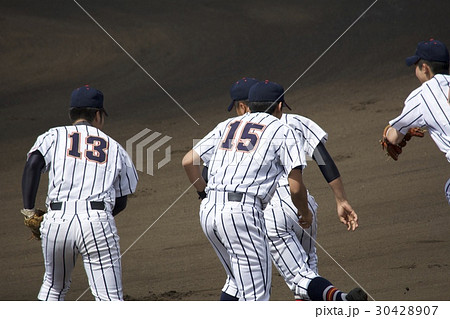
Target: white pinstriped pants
[[292, 248], [236, 231], [93, 235], [447, 190]]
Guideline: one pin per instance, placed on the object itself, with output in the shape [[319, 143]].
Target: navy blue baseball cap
[[87, 96], [239, 90], [431, 50], [266, 91]]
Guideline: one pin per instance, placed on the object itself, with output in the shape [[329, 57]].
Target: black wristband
[[202, 194]]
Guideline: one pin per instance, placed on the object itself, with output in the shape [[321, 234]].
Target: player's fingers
[[353, 223], [345, 221], [355, 219], [354, 216], [349, 225]]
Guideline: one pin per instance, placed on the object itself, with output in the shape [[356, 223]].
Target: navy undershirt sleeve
[[205, 173], [31, 178], [325, 163], [120, 204]]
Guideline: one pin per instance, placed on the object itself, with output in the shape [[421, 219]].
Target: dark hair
[[267, 107], [86, 113], [435, 66]]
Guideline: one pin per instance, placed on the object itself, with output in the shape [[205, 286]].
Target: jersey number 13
[[96, 148]]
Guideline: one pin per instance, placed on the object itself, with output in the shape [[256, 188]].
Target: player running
[[428, 106], [90, 176], [282, 229], [246, 156]]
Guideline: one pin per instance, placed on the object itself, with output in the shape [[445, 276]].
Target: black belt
[[94, 205], [235, 197]]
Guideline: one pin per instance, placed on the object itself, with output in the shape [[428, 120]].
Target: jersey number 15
[[247, 141]]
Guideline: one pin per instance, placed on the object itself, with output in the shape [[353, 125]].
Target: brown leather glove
[[33, 219]]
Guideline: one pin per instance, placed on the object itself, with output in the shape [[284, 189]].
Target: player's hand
[[305, 220], [347, 215]]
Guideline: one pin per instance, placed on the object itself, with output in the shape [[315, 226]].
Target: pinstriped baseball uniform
[[311, 135], [87, 171], [283, 229], [292, 248], [429, 106], [246, 156]]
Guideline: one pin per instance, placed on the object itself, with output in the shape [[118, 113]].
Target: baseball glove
[[33, 219], [394, 150]]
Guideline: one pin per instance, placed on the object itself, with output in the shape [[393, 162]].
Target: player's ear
[[427, 69], [280, 106], [98, 120], [277, 112], [239, 108], [242, 108], [98, 116]]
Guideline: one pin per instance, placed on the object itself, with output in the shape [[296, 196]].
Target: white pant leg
[[60, 254], [244, 233], [208, 224], [308, 236], [447, 190], [98, 244], [241, 230], [288, 241]]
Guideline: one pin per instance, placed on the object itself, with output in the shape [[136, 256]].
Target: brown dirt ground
[[195, 51]]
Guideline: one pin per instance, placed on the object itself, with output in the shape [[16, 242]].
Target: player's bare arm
[[330, 172], [394, 136], [299, 197], [346, 214], [191, 163]]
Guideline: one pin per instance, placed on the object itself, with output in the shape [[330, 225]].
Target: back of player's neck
[[82, 122]]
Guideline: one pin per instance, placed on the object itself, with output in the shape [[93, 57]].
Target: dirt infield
[[195, 50]]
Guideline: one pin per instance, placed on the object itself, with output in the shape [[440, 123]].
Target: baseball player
[[282, 229], [246, 156], [427, 106], [90, 176]]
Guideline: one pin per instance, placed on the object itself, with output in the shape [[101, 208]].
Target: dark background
[[195, 50]]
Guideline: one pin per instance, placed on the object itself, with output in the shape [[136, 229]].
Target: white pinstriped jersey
[[298, 263], [308, 131], [429, 106], [248, 153], [85, 164]]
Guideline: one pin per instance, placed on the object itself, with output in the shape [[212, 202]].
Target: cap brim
[[230, 107], [412, 60], [285, 104]]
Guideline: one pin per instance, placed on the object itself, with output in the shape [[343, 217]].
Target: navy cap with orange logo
[[431, 50], [87, 97], [239, 90]]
